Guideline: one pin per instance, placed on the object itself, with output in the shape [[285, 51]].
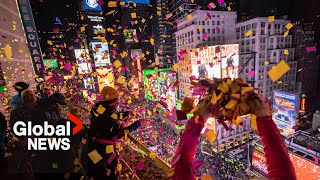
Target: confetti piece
[[110, 12], [109, 149], [83, 141], [211, 6], [286, 52], [200, 28], [140, 165], [111, 157], [119, 167], [112, 4], [249, 33], [133, 15], [254, 122], [180, 8], [206, 177], [270, 18], [311, 49], [101, 109], [95, 156], [278, 70], [76, 161], [266, 63], [117, 64], [82, 28], [289, 26], [152, 155], [8, 51], [55, 165], [211, 136], [189, 16], [114, 116], [251, 73], [229, 8], [286, 34], [67, 175], [168, 15]]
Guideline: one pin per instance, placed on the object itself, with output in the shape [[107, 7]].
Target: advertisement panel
[[100, 53], [50, 63], [230, 61], [105, 78], [151, 85], [92, 5], [287, 106], [88, 83], [136, 55], [167, 92], [129, 35], [82, 57], [206, 62], [138, 1], [304, 168]]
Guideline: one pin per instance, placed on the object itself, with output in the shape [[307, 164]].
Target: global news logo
[[47, 136]]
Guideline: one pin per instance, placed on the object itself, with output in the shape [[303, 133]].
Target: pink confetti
[[217, 28], [311, 49], [192, 78], [197, 164], [220, 1], [204, 35], [111, 158], [133, 155], [140, 165], [210, 6], [134, 171], [251, 73], [169, 141], [316, 160], [208, 15], [108, 172], [213, 166], [56, 30], [114, 52], [100, 2]]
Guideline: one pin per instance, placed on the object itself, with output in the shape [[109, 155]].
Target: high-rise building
[[308, 63], [15, 60], [202, 29], [164, 34], [268, 46]]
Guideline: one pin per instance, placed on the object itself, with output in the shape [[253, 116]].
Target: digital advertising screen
[[92, 5], [287, 106], [129, 35], [100, 53], [82, 57], [206, 62], [50, 63], [136, 55], [167, 92], [88, 83], [259, 163], [105, 78], [151, 84], [230, 61], [138, 1]]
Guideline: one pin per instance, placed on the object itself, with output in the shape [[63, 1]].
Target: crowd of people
[[99, 143]]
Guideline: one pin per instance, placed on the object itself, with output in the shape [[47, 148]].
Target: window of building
[[199, 22], [254, 25], [218, 16], [209, 39], [248, 27], [213, 22], [218, 22], [222, 30], [263, 24], [208, 31], [198, 31], [243, 28], [213, 15], [218, 38], [203, 22], [203, 30], [253, 41], [222, 23], [208, 23], [213, 31]]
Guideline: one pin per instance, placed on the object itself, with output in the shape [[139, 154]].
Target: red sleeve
[[184, 155], [276, 153]]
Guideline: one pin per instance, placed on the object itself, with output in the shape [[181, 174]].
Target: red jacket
[[278, 161]]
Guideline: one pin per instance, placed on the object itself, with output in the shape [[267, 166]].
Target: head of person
[[20, 86], [56, 101], [110, 96], [76, 113], [28, 97]]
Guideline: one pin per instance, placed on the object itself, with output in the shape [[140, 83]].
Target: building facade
[[308, 63], [204, 28], [268, 46]]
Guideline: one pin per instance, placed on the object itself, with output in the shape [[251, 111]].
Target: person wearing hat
[[19, 87], [105, 130]]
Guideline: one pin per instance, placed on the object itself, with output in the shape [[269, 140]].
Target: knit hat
[[108, 93], [20, 86]]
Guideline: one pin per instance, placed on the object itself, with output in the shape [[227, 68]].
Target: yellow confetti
[[200, 28], [168, 15], [95, 156], [120, 80], [289, 26], [114, 116], [67, 175], [229, 8], [266, 63], [119, 167], [83, 141], [117, 64], [278, 70], [55, 165], [143, 20], [249, 33], [254, 122], [286, 52], [152, 155], [133, 15], [8, 51], [206, 177], [111, 12], [82, 28], [175, 67], [270, 18], [180, 8], [211, 136], [76, 161], [101, 109], [122, 3], [109, 149], [112, 4], [189, 16]]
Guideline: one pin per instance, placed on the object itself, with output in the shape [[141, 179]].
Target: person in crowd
[[277, 158], [3, 128], [25, 113], [105, 130], [16, 99]]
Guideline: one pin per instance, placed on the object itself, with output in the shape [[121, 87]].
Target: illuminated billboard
[[138, 1], [304, 168], [82, 57], [101, 53], [92, 5], [151, 84], [167, 92], [206, 62], [88, 83], [129, 35], [136, 55], [50, 63], [287, 106], [105, 78]]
